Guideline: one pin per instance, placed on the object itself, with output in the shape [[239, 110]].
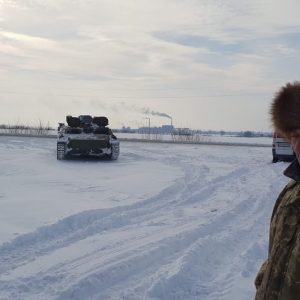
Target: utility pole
[[149, 126]]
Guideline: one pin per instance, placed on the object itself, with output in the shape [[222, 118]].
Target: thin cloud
[[142, 46]]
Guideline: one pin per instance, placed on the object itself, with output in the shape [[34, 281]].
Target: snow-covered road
[[163, 222]]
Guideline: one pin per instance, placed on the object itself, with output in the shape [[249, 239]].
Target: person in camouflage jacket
[[279, 276]]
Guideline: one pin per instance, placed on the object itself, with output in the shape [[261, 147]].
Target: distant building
[[128, 130], [164, 129], [183, 131], [167, 128]]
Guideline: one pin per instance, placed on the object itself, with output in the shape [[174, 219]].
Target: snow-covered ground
[[164, 222]]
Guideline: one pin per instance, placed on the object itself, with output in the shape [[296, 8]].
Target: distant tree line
[[160, 130], [40, 129]]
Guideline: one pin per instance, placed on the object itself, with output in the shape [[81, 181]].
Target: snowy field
[[163, 222]]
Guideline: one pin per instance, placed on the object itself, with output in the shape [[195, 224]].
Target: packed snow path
[[163, 222]]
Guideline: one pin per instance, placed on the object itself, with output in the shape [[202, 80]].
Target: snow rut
[[179, 244], [83, 225]]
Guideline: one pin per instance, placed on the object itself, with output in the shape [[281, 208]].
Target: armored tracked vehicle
[[86, 135]]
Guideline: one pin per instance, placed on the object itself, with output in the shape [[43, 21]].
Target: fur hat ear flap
[[285, 109]]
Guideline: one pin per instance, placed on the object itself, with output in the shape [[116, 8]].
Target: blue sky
[[209, 64], [195, 41]]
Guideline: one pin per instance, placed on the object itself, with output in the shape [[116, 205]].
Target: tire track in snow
[[119, 271], [72, 229], [187, 237], [218, 282]]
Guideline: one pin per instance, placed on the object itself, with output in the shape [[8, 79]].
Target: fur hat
[[285, 110]]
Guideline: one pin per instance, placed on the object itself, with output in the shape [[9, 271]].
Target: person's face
[[295, 142]]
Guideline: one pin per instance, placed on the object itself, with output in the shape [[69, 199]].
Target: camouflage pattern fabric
[[279, 276]]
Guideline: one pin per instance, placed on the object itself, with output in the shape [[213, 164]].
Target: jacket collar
[[293, 171]]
